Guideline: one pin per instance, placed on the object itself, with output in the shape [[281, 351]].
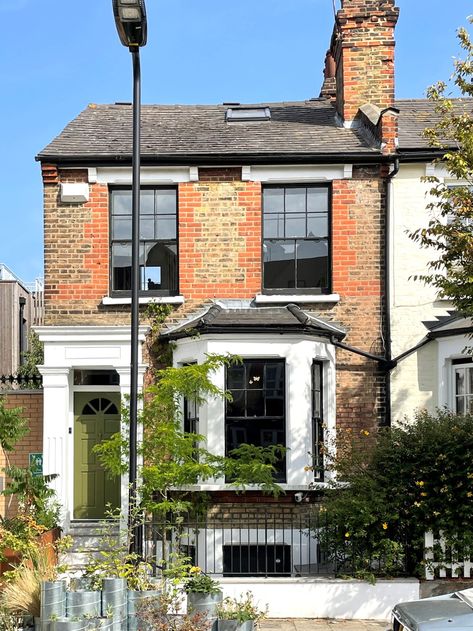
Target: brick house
[[265, 226]]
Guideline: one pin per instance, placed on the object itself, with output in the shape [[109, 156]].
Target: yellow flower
[[365, 432], [420, 483], [470, 476], [469, 494], [417, 504], [347, 535], [424, 494], [307, 468], [385, 526], [195, 570]]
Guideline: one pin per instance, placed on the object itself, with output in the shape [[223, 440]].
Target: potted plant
[[239, 614], [203, 592]]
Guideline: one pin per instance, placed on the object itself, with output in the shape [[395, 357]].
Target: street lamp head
[[130, 20]]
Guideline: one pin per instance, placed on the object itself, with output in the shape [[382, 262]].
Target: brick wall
[[363, 49], [32, 404], [220, 236]]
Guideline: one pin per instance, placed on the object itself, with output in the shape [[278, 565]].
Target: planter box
[[83, 603], [12, 558], [135, 598], [204, 602]]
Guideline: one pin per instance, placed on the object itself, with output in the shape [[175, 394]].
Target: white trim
[[149, 175], [145, 300], [299, 173], [296, 298], [81, 334]]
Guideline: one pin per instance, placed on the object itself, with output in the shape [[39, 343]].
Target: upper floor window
[[296, 239], [158, 240]]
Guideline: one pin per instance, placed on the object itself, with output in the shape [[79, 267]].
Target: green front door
[[97, 416]]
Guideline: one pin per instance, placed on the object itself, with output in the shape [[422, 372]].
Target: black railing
[[256, 544], [16, 382]]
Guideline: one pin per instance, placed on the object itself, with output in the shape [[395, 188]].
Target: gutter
[[217, 159], [384, 363]]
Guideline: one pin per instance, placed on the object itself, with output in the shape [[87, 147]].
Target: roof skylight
[[234, 114]]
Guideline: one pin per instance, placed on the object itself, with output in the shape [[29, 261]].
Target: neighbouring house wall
[[415, 380], [31, 401], [10, 294]]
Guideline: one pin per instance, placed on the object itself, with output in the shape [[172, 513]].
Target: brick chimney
[[362, 48]]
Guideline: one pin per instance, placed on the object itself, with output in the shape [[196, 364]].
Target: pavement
[[304, 624]]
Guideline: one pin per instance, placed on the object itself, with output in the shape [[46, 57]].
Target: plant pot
[[204, 602], [66, 624], [83, 603], [234, 625], [114, 596], [135, 598], [53, 599]]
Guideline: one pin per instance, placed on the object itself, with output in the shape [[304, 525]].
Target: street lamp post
[[130, 20]]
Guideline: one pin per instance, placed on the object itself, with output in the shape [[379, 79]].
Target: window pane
[[274, 225], [273, 200], [317, 225], [279, 264], [460, 405], [235, 377], [460, 381], [147, 228], [317, 199], [255, 375], [147, 202], [295, 200], [255, 403], [121, 202], [274, 404], [166, 202], [121, 227], [121, 266], [295, 225], [166, 228], [312, 264], [275, 377], [470, 380], [159, 266], [236, 407]]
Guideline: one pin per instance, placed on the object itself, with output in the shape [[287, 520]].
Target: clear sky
[[59, 55]]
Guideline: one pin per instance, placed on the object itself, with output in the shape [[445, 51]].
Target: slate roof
[[417, 114], [289, 319], [304, 127], [451, 324]]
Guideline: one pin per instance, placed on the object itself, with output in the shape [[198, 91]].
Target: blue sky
[[59, 55]]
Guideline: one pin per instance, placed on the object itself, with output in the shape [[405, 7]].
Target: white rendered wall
[[66, 349], [324, 597], [299, 353], [414, 381]]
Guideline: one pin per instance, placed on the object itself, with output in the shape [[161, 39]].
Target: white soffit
[[149, 175], [300, 173]]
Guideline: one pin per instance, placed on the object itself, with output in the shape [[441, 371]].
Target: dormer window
[[239, 114]]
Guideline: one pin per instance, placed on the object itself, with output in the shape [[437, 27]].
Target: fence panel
[[443, 561]]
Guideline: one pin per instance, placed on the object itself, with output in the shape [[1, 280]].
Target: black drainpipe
[[387, 291]]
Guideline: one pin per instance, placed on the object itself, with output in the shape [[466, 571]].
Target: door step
[[89, 539]]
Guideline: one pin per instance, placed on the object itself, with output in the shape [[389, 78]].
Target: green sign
[[36, 464]]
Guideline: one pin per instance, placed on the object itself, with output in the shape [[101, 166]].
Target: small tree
[[174, 460], [450, 230]]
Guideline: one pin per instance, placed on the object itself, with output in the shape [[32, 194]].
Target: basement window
[[237, 114]]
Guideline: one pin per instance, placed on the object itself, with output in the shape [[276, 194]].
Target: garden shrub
[[392, 488]]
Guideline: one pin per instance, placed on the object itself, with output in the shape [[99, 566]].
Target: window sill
[[296, 298], [144, 300]]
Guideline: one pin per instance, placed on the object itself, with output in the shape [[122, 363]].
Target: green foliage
[[9, 622], [241, 609], [175, 460], [35, 498], [390, 490], [449, 232], [162, 614], [32, 358], [13, 426]]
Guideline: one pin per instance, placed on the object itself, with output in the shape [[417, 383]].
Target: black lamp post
[[130, 20]]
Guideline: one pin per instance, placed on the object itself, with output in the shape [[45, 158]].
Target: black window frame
[[299, 290], [281, 475], [119, 293], [318, 416]]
